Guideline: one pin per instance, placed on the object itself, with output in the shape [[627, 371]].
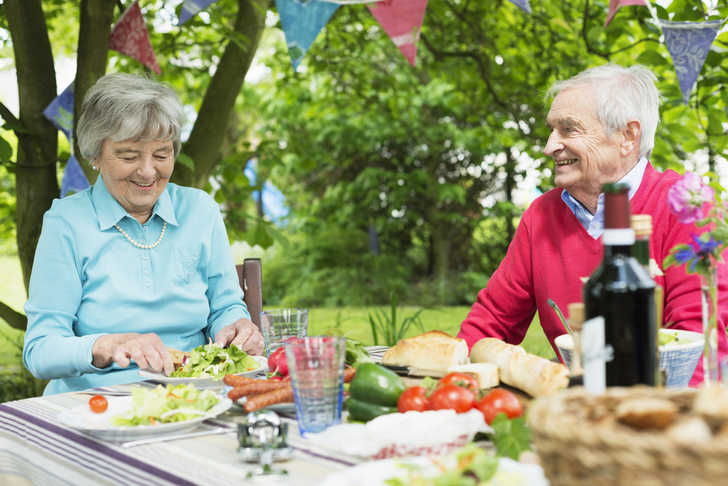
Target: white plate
[[202, 383], [98, 424], [375, 473]]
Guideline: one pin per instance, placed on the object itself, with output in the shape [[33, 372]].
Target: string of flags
[[302, 20]]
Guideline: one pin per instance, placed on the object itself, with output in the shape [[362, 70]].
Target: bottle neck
[[618, 241], [641, 251]]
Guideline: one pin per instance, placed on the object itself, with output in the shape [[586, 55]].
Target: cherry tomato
[[98, 404], [460, 379], [452, 397], [498, 401], [413, 398]]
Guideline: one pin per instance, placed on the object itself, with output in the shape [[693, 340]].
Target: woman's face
[[136, 173]]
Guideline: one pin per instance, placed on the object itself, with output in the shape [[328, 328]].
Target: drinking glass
[[316, 368], [281, 324]]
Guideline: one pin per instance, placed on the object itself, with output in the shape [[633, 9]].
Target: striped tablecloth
[[35, 448]]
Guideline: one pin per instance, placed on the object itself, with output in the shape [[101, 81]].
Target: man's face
[[136, 173], [585, 157]]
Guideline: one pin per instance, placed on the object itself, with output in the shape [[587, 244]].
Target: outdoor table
[[35, 448]]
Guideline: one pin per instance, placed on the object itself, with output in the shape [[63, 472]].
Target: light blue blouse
[[88, 280]]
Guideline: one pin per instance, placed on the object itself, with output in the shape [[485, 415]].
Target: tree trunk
[[35, 173], [94, 30], [205, 142]]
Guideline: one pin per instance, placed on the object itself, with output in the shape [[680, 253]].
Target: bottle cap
[[616, 206]]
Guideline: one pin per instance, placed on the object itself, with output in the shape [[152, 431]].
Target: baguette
[[529, 373], [428, 354]]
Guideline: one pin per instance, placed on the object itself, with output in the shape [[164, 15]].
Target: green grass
[[353, 322]]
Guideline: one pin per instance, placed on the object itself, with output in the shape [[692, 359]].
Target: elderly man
[[603, 124]]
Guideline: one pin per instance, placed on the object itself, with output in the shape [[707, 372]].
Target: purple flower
[[687, 196], [697, 251]]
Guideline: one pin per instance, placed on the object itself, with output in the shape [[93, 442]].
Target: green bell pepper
[[376, 385], [364, 412]]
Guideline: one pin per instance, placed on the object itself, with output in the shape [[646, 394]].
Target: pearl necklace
[[143, 247]]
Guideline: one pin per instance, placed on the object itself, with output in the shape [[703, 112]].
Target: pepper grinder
[[264, 428]]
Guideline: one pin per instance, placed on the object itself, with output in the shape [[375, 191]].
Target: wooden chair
[[250, 275]]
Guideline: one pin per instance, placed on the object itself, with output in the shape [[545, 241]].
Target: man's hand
[[243, 334], [147, 350]]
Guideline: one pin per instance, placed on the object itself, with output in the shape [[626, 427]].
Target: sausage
[[249, 389], [283, 394], [234, 380]]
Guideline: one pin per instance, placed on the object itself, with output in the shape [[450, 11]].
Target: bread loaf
[[429, 354], [529, 373]]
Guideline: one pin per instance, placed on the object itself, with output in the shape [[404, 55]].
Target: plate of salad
[[469, 465], [208, 364], [148, 412]]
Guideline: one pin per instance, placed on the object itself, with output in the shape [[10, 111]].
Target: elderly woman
[[134, 263]]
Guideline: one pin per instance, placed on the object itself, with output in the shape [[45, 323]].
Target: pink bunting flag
[[614, 5], [130, 37], [402, 21]]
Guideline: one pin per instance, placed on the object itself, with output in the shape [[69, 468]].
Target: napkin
[[433, 432]]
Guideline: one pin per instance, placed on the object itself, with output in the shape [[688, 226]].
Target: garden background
[[368, 175]]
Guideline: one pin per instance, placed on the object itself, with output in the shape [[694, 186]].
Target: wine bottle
[[576, 319], [621, 291]]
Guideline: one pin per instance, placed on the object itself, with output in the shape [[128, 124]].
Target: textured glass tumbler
[[281, 324], [316, 367]]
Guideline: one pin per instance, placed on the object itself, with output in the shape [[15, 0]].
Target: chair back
[[250, 275]]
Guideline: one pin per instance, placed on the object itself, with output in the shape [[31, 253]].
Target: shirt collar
[[633, 179], [110, 212]]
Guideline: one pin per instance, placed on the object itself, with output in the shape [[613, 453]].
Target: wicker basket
[[580, 443]]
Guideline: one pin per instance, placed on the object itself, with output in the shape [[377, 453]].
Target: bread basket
[[580, 442]]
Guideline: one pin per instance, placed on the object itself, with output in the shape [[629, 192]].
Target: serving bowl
[[678, 360]]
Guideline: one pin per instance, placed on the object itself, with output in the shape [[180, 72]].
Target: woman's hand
[[243, 334], [147, 350]]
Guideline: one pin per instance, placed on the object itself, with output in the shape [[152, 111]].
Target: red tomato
[[460, 379], [498, 401], [452, 397], [413, 398], [98, 404]]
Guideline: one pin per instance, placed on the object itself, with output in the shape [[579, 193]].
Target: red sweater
[[551, 252]]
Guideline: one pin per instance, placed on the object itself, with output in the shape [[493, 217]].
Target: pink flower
[[687, 197]]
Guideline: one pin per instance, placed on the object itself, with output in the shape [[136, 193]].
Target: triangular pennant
[[688, 44], [302, 20], [74, 180], [60, 111], [402, 21], [130, 37], [614, 5], [522, 4], [191, 7]]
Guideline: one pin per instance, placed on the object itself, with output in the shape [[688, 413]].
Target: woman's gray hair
[[620, 94], [128, 107]]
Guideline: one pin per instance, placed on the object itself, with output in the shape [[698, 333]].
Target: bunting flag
[[302, 20], [130, 37], [524, 5], [60, 112], [614, 5], [190, 8], [402, 21], [74, 180], [688, 44]]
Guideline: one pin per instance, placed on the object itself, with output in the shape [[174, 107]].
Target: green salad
[[669, 338], [469, 466], [174, 403], [212, 361]]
